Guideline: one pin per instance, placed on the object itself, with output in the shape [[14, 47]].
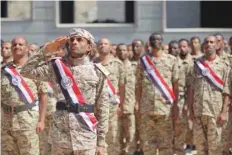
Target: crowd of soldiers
[[73, 96]]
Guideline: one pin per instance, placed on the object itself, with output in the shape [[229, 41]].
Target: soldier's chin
[[78, 52]]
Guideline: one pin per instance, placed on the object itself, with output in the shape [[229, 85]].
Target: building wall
[[43, 26]]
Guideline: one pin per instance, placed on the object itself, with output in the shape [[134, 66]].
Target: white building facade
[[174, 20]]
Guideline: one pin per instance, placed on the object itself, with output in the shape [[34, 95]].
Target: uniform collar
[[217, 58], [79, 61]]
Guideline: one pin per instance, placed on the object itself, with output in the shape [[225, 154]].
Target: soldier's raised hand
[[54, 48]]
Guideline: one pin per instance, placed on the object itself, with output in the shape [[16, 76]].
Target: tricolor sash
[[50, 89], [20, 85], [71, 90], [209, 74], [112, 91], [157, 79]]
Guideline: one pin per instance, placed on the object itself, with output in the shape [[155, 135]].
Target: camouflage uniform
[[189, 134], [227, 132], [19, 129], [45, 147], [207, 105], [127, 122], [116, 76], [180, 140], [69, 133], [156, 129]]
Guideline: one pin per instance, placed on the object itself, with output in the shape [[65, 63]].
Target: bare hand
[[191, 116], [136, 108], [55, 45], [39, 127], [119, 112], [222, 118], [100, 151]]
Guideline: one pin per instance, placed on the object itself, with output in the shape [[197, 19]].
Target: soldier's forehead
[[6, 43], [19, 39]]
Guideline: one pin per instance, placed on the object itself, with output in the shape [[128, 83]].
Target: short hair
[[21, 38], [182, 39], [195, 37], [173, 42], [142, 42], [121, 44], [210, 36], [154, 34], [219, 34]]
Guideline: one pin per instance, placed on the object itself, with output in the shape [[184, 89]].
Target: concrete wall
[[43, 27]]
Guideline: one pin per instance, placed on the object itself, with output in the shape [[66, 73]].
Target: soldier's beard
[[78, 53]]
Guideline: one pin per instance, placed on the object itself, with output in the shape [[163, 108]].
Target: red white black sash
[[20, 85], [157, 79], [112, 91], [209, 74], [71, 91], [50, 89]]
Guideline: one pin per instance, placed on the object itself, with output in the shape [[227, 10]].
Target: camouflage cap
[[78, 32]]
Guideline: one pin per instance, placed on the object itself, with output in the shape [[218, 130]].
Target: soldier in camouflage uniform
[[195, 43], [184, 61], [74, 128], [157, 112], [227, 132], [44, 145], [220, 47], [22, 119], [227, 140], [116, 76], [173, 48], [138, 51], [206, 105], [6, 52], [127, 119]]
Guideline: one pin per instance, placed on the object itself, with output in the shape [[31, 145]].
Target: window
[[205, 16], [23, 10], [95, 12]]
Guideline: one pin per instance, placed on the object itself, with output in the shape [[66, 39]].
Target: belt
[[76, 108], [20, 108]]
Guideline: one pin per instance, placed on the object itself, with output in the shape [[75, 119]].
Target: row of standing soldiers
[[62, 103]]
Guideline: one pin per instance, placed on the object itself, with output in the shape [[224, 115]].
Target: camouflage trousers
[[207, 135], [137, 137], [181, 128], [180, 136], [156, 134], [44, 146], [22, 142], [127, 131], [65, 151], [112, 136], [227, 135]]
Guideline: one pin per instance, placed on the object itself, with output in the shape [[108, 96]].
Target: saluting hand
[[54, 48]]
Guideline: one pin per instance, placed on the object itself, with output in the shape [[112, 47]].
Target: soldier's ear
[[89, 47]]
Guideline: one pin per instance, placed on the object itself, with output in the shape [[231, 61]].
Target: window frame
[[166, 29], [94, 25], [10, 19]]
